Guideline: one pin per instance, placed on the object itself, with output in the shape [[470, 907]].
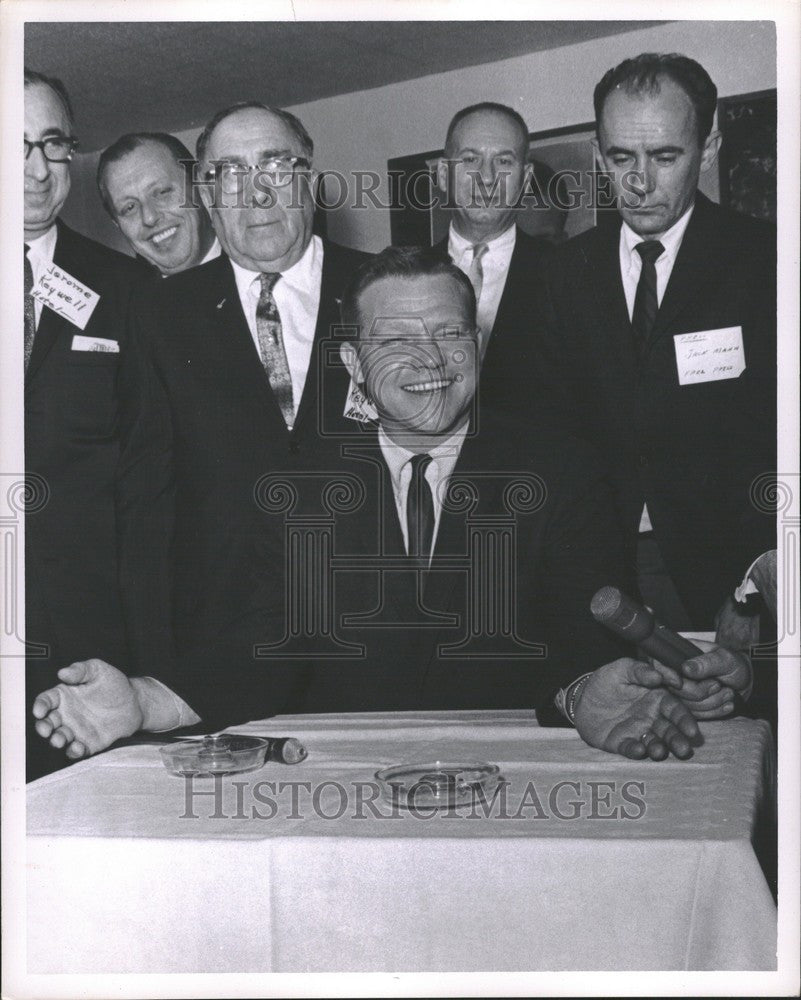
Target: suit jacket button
[[294, 447]]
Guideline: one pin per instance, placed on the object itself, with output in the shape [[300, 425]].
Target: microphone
[[630, 620]]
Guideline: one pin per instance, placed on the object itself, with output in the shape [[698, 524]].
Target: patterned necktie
[[420, 509], [646, 303], [476, 272], [271, 347], [30, 309]]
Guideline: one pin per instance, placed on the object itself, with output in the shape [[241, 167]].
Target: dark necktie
[[420, 509], [271, 347], [646, 303], [30, 309]]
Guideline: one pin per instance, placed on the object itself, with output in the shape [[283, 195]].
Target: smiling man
[[145, 184], [660, 333], [72, 604], [467, 563]]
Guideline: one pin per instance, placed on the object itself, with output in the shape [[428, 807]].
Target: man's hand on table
[[626, 707], [95, 704]]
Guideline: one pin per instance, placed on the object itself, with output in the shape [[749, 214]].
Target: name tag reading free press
[[709, 355], [70, 298]]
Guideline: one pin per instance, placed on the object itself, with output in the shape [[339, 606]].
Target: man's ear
[[350, 359], [711, 149], [444, 167], [596, 149], [207, 194]]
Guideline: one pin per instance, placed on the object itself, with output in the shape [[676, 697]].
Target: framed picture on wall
[[748, 155], [562, 200]]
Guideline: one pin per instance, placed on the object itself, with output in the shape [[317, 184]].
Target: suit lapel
[[331, 286], [51, 325], [692, 278], [235, 339], [603, 266]]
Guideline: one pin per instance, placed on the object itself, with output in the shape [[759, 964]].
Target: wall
[[360, 131]]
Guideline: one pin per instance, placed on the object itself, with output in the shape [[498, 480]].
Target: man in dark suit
[[71, 444], [224, 382], [437, 566], [659, 338], [486, 176]]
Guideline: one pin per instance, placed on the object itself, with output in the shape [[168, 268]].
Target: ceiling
[[170, 76]]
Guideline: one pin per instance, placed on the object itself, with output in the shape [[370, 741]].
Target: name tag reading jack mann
[[709, 355]]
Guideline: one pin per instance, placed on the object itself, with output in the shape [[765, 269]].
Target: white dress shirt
[[631, 262], [40, 254], [495, 265], [399, 462], [630, 270], [297, 297]]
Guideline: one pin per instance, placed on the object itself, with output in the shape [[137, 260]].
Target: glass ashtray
[[225, 754], [437, 785]]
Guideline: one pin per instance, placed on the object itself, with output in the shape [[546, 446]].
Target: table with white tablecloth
[[585, 861]]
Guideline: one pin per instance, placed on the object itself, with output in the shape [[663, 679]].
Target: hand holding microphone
[[710, 674]]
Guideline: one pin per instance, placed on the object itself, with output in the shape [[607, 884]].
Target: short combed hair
[[291, 121], [401, 262], [58, 88], [498, 109], [642, 75], [134, 140]]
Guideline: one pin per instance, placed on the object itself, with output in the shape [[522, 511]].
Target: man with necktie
[[485, 175], [228, 378], [465, 563], [71, 444], [658, 343], [145, 183]]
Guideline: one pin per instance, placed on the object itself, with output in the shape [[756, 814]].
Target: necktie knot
[[419, 464], [269, 279], [650, 251], [479, 249]]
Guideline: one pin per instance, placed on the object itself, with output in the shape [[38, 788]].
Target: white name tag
[[358, 406], [709, 355], [80, 343], [67, 296]]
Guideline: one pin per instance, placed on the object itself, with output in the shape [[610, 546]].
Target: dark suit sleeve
[[145, 489], [583, 552]]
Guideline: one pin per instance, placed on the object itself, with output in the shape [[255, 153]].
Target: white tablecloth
[[127, 872]]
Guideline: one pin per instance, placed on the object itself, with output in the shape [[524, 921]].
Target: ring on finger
[[647, 738]]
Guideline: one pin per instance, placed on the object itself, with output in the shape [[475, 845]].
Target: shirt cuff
[[183, 713]]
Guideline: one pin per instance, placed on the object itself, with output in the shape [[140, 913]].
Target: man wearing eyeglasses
[[227, 379], [71, 447]]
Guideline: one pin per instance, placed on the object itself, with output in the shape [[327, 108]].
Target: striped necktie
[[30, 309], [476, 272], [271, 347]]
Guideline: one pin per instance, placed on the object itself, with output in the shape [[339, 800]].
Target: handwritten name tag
[[80, 343], [67, 296], [358, 406], [709, 355]]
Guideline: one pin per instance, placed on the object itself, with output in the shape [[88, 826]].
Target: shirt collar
[[43, 247], [300, 276], [446, 452], [457, 244], [671, 240]]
